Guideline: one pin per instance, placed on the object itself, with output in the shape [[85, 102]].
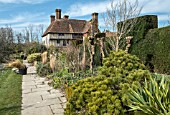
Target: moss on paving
[[10, 93]]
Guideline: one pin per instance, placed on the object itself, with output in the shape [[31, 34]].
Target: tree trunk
[[92, 58], [117, 44], [102, 50]]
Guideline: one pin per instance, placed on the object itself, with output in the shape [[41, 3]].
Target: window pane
[[58, 41], [64, 42]]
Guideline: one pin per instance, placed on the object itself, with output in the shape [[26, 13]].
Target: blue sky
[[21, 13]]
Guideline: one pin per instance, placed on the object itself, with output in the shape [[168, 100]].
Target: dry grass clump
[[52, 62], [44, 57], [17, 64]]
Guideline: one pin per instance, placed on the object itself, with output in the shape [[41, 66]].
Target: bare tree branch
[[117, 20]]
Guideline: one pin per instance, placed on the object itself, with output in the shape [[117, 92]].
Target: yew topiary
[[106, 94]]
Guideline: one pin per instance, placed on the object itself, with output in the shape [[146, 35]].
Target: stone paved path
[[38, 98]]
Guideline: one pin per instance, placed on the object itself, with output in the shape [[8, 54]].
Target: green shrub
[[60, 78], [63, 77], [107, 92], [35, 48], [34, 57], [15, 56], [152, 99], [43, 69], [53, 49]]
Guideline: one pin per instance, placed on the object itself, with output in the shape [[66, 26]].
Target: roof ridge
[[68, 26], [77, 19]]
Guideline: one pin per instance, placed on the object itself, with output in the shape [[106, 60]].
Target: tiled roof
[[68, 26], [110, 34]]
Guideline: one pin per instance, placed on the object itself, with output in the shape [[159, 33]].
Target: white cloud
[[21, 26], [80, 9], [23, 1], [150, 7], [13, 20], [163, 17], [21, 21], [156, 6], [24, 17]]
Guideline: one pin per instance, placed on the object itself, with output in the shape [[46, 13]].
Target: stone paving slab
[[58, 111], [48, 102], [24, 87], [25, 91], [37, 111], [31, 70], [38, 98]]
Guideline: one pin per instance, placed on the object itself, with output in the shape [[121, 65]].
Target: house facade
[[62, 31]]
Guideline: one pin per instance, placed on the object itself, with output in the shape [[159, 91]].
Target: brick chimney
[[95, 22], [66, 17], [58, 13], [52, 17], [95, 17]]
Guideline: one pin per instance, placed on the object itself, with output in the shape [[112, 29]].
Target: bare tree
[[25, 33], [119, 12], [2, 39], [6, 35], [73, 57], [84, 54], [41, 28], [19, 37], [9, 34], [6, 42], [39, 31], [31, 29]]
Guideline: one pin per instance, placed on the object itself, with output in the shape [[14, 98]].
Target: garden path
[[38, 98]]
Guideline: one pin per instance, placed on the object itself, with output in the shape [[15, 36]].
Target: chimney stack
[[52, 17], [66, 17], [95, 17], [58, 13], [94, 23]]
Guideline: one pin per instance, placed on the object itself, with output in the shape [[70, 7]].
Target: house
[[62, 31]]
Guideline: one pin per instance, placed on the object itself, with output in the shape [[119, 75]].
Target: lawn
[[10, 93]]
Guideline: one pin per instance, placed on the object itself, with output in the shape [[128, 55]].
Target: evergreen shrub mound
[[34, 57], [106, 94], [93, 96]]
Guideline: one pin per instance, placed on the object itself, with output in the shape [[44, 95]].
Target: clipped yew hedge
[[154, 50], [151, 44]]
